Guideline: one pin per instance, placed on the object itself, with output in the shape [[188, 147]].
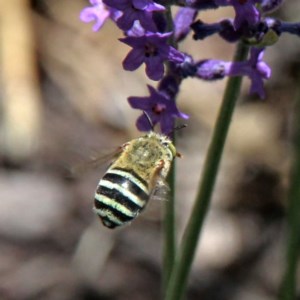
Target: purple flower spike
[[151, 49], [98, 12], [160, 108], [133, 10], [254, 68]]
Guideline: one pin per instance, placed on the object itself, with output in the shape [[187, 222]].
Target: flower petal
[[182, 115], [155, 68], [143, 124], [183, 20], [97, 13], [257, 86], [147, 5], [147, 22], [167, 124], [141, 103], [133, 60], [125, 22], [175, 55]]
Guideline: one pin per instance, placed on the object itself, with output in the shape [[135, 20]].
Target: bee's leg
[[157, 174], [160, 165]]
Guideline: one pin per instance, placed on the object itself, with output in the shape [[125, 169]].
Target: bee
[[138, 171]]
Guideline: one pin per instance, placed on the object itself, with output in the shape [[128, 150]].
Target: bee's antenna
[[149, 120], [179, 127]]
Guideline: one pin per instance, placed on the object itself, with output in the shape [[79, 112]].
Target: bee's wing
[[161, 190], [95, 162]]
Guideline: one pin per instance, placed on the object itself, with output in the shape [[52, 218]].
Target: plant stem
[[169, 250], [169, 247], [288, 289], [178, 279]]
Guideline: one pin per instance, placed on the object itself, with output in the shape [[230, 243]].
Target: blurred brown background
[[63, 98]]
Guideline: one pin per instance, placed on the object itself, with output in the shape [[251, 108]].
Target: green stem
[[169, 250], [178, 279], [169, 247], [288, 289]]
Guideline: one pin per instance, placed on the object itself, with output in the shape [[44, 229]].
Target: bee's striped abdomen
[[120, 196]]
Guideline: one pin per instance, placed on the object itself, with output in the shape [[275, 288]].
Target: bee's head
[[168, 145]]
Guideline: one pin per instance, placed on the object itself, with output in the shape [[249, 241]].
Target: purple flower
[[159, 107], [292, 28], [151, 49], [245, 11], [254, 68], [133, 10], [203, 30], [99, 13], [213, 69], [183, 20]]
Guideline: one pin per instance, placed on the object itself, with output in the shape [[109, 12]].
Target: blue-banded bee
[[133, 178]]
